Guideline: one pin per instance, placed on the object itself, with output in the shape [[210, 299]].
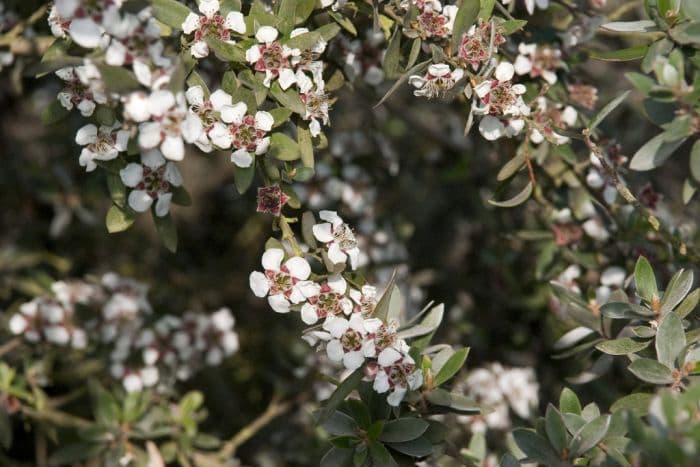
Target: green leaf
[[691, 9], [465, 18], [70, 453], [631, 26], [392, 56], [243, 177], [511, 167], [304, 41], [403, 429], [486, 9], [226, 51], [117, 190], [167, 231], [344, 22], [511, 26], [623, 310], [695, 161], [654, 153], [283, 148], [590, 435], [689, 304], [416, 69], [456, 402], [305, 146], [535, 447], [303, 174], [341, 393], [381, 311], [642, 82], [622, 346], [170, 12], [678, 287], [637, 403], [340, 424], [419, 447], [605, 111], [644, 279], [181, 196], [451, 367], [280, 115], [651, 371], [53, 113], [621, 55], [516, 200], [289, 98], [119, 219], [380, 455], [337, 457], [428, 324], [568, 402], [686, 33], [118, 79], [670, 339], [555, 428], [295, 12]]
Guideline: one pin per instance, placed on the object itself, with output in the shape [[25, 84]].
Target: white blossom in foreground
[[101, 144], [439, 79], [283, 284], [501, 104], [330, 300], [211, 24], [151, 180], [530, 4], [247, 134], [269, 56], [208, 110], [348, 341], [338, 237]]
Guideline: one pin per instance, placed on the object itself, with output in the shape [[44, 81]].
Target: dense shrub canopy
[[347, 233]]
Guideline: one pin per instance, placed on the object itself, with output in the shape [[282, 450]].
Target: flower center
[[344, 237], [154, 182], [245, 135], [272, 58], [280, 281], [212, 27], [351, 340]]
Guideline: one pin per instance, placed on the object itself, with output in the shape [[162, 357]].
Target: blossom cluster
[[500, 389], [145, 126], [348, 331], [111, 317]]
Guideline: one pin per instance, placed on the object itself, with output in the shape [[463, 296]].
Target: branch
[[274, 409]]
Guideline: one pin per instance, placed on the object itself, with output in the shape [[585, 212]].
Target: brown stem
[[274, 409], [10, 345]]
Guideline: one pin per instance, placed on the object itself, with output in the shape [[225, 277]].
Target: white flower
[[208, 110], [283, 284], [349, 343], [502, 104], [86, 21], [339, 238], [151, 180], [329, 301], [531, 4], [439, 79], [246, 133], [211, 24], [269, 56], [83, 89], [519, 385], [169, 124], [397, 373], [538, 61], [102, 144]]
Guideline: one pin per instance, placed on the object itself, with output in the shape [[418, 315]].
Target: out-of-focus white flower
[[82, 89], [211, 24], [531, 4], [283, 284], [549, 116], [87, 21], [538, 61], [151, 180], [102, 144]]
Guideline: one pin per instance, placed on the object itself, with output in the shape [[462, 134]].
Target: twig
[[274, 409], [288, 234], [57, 417], [10, 345], [627, 195]]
